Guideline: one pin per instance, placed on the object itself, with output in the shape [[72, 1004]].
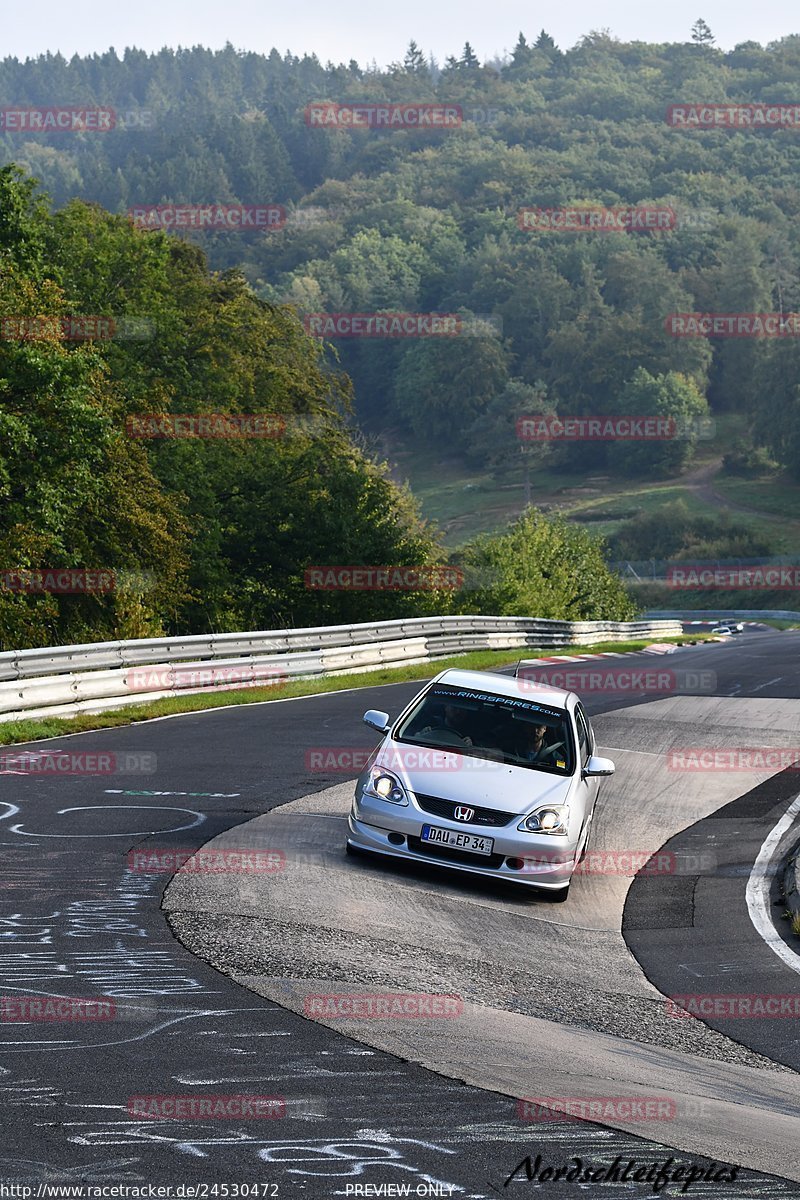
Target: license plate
[[472, 842]]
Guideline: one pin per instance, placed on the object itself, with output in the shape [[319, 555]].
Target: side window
[[584, 740], [589, 729]]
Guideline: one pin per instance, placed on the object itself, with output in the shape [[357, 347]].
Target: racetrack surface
[[536, 978]]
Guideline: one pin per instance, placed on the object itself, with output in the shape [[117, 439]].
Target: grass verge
[[32, 730]]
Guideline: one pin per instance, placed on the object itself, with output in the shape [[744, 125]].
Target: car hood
[[473, 781]]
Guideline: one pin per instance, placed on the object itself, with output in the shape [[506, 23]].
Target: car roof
[[504, 685]]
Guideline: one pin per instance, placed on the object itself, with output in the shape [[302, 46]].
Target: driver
[[449, 721]]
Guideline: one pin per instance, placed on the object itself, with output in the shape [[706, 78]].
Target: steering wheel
[[448, 737], [550, 750]]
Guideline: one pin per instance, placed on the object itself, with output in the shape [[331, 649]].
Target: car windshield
[[484, 725]]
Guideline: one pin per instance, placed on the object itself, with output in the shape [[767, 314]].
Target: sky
[[343, 29]]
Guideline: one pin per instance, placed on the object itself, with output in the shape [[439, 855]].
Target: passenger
[[530, 745]]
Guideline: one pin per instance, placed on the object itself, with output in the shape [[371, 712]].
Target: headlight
[[385, 786], [551, 818]]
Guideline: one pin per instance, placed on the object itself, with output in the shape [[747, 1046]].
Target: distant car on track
[[484, 773], [722, 630]]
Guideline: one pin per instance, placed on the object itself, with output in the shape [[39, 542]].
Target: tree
[[681, 534], [544, 567], [521, 49], [469, 60], [23, 213], [76, 492], [701, 33], [494, 438], [444, 383], [521, 58], [671, 397], [545, 42], [79, 490], [414, 62]]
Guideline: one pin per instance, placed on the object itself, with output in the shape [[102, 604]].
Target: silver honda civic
[[491, 774]]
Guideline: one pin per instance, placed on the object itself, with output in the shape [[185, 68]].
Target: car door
[[589, 787]]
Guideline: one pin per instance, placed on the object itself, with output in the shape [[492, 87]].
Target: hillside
[[543, 314]]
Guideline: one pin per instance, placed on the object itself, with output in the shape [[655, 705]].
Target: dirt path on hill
[[700, 482]]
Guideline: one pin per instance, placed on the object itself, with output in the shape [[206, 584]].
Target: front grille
[[446, 808], [448, 854]]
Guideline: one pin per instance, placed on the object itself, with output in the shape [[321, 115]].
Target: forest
[[445, 219]]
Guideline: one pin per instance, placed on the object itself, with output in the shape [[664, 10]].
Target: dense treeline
[[427, 220], [200, 534], [217, 535]]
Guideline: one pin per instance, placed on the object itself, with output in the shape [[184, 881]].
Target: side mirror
[[377, 720], [598, 766]]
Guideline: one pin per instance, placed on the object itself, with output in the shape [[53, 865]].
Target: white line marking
[[757, 893], [118, 808], [769, 681], [632, 750]]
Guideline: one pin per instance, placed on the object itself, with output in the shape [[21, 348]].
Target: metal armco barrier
[[66, 680], [721, 614]]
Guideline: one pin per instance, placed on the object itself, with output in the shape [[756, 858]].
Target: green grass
[[14, 732], [631, 498], [464, 501], [771, 494]]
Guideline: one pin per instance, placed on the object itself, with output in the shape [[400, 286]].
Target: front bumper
[[394, 830]]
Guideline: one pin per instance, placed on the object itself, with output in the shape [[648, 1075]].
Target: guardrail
[[65, 680], [721, 614]]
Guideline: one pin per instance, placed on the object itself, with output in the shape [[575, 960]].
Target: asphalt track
[[546, 988]]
